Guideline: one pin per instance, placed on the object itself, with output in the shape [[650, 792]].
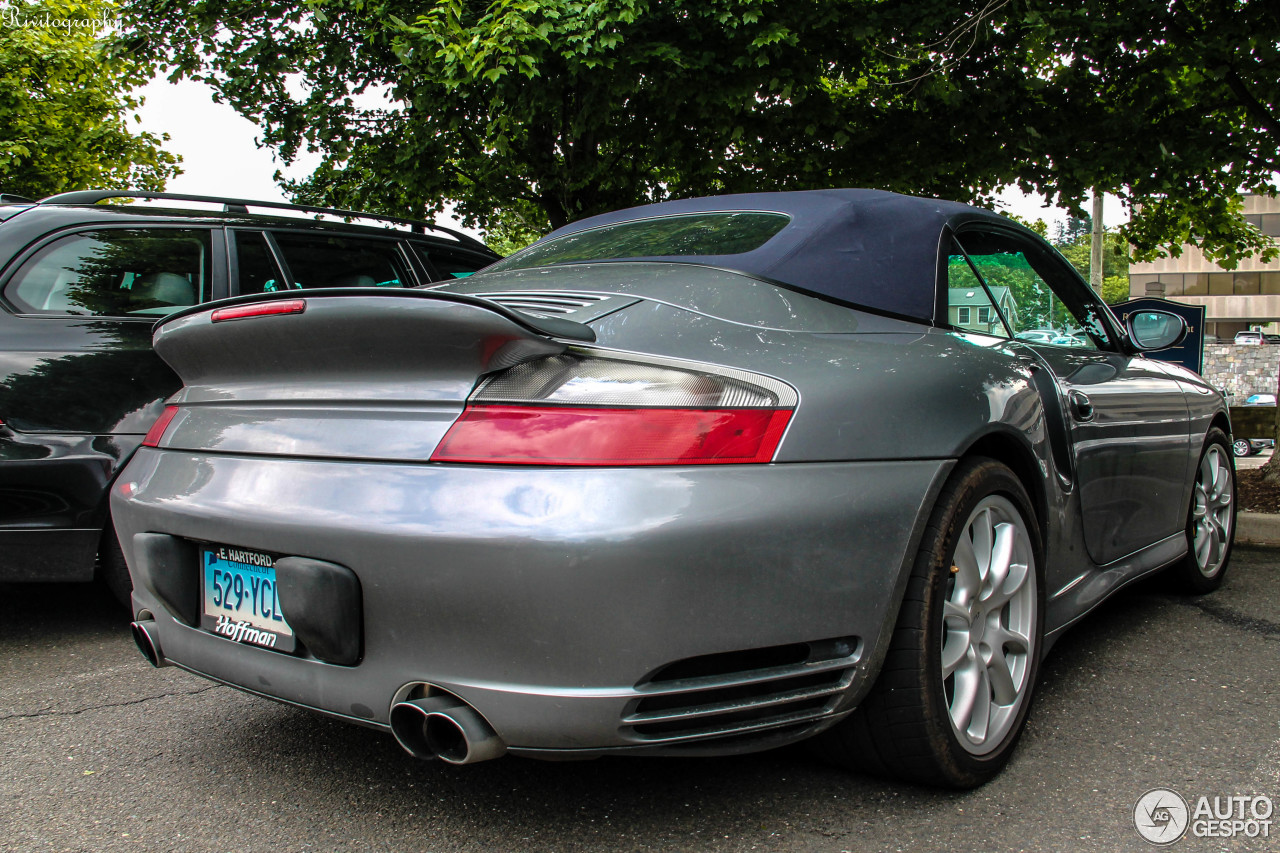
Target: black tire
[[1211, 520], [112, 569], [1242, 447], [906, 727]]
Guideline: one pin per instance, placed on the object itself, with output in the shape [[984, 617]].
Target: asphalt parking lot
[[1246, 462], [99, 752]]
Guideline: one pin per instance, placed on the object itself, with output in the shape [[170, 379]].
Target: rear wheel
[[955, 688], [1211, 521], [1241, 447]]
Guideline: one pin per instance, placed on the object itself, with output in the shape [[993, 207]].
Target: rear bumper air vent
[[737, 693]]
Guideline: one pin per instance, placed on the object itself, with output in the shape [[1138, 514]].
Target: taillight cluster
[[578, 409]]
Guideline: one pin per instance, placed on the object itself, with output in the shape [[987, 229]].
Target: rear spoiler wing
[[552, 327]]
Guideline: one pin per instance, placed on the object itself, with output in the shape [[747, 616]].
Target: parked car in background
[[1038, 336], [686, 479], [1250, 446], [82, 284], [1051, 336], [1249, 338]]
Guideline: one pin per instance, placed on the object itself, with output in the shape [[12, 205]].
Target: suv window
[[321, 260], [116, 273], [256, 267], [447, 266]]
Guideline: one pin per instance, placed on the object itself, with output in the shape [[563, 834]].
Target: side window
[[116, 273], [1040, 304], [969, 307], [449, 266], [258, 272], [323, 260]]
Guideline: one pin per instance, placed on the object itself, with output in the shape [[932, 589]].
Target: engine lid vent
[[574, 305]]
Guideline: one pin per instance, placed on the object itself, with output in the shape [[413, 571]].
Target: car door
[[78, 353], [79, 382], [1126, 419]]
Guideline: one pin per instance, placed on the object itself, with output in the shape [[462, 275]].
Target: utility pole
[[1095, 245]]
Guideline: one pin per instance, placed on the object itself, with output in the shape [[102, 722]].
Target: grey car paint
[[546, 598], [1129, 430], [544, 602]]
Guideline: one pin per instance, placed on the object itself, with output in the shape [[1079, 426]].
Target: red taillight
[[157, 429], [263, 309], [538, 435]]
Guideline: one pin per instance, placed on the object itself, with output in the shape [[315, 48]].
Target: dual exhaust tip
[[446, 728], [439, 726], [144, 636]]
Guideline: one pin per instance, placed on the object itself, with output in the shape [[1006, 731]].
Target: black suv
[[81, 285]]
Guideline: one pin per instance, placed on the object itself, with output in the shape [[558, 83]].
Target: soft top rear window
[[728, 233]]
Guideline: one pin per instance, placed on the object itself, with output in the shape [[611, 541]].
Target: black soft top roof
[[867, 247]]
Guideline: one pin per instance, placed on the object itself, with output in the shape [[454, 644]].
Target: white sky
[[220, 155]]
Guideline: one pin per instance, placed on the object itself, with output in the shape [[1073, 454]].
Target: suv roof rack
[[11, 198], [240, 205]]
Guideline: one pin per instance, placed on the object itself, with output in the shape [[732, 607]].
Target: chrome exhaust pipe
[[446, 728], [144, 638]]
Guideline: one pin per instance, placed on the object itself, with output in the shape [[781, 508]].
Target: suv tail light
[[156, 432], [585, 410]]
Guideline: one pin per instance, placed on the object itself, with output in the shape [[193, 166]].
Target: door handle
[[1081, 406]]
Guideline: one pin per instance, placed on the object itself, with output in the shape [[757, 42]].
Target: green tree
[[1173, 106], [565, 108], [64, 103], [1070, 229], [1115, 261], [515, 226]]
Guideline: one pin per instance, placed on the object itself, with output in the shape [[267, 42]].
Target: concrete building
[[1234, 300]]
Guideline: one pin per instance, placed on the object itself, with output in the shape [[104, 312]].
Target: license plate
[[240, 598]]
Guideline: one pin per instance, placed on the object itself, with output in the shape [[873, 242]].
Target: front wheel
[[1211, 521], [1241, 447], [953, 694]]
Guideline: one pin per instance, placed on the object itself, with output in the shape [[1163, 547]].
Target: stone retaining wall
[[1242, 370]]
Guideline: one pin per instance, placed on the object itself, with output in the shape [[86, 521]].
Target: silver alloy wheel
[[1241, 447], [1211, 511], [989, 622]]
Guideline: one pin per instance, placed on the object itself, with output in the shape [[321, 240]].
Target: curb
[[1258, 528]]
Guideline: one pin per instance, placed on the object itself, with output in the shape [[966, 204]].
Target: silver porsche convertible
[[699, 478]]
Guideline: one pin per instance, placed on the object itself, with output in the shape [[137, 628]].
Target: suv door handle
[[1081, 406]]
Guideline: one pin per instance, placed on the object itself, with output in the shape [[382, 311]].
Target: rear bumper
[[53, 491], [549, 598], [43, 556]]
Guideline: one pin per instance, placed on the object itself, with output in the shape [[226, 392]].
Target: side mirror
[[1155, 330]]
